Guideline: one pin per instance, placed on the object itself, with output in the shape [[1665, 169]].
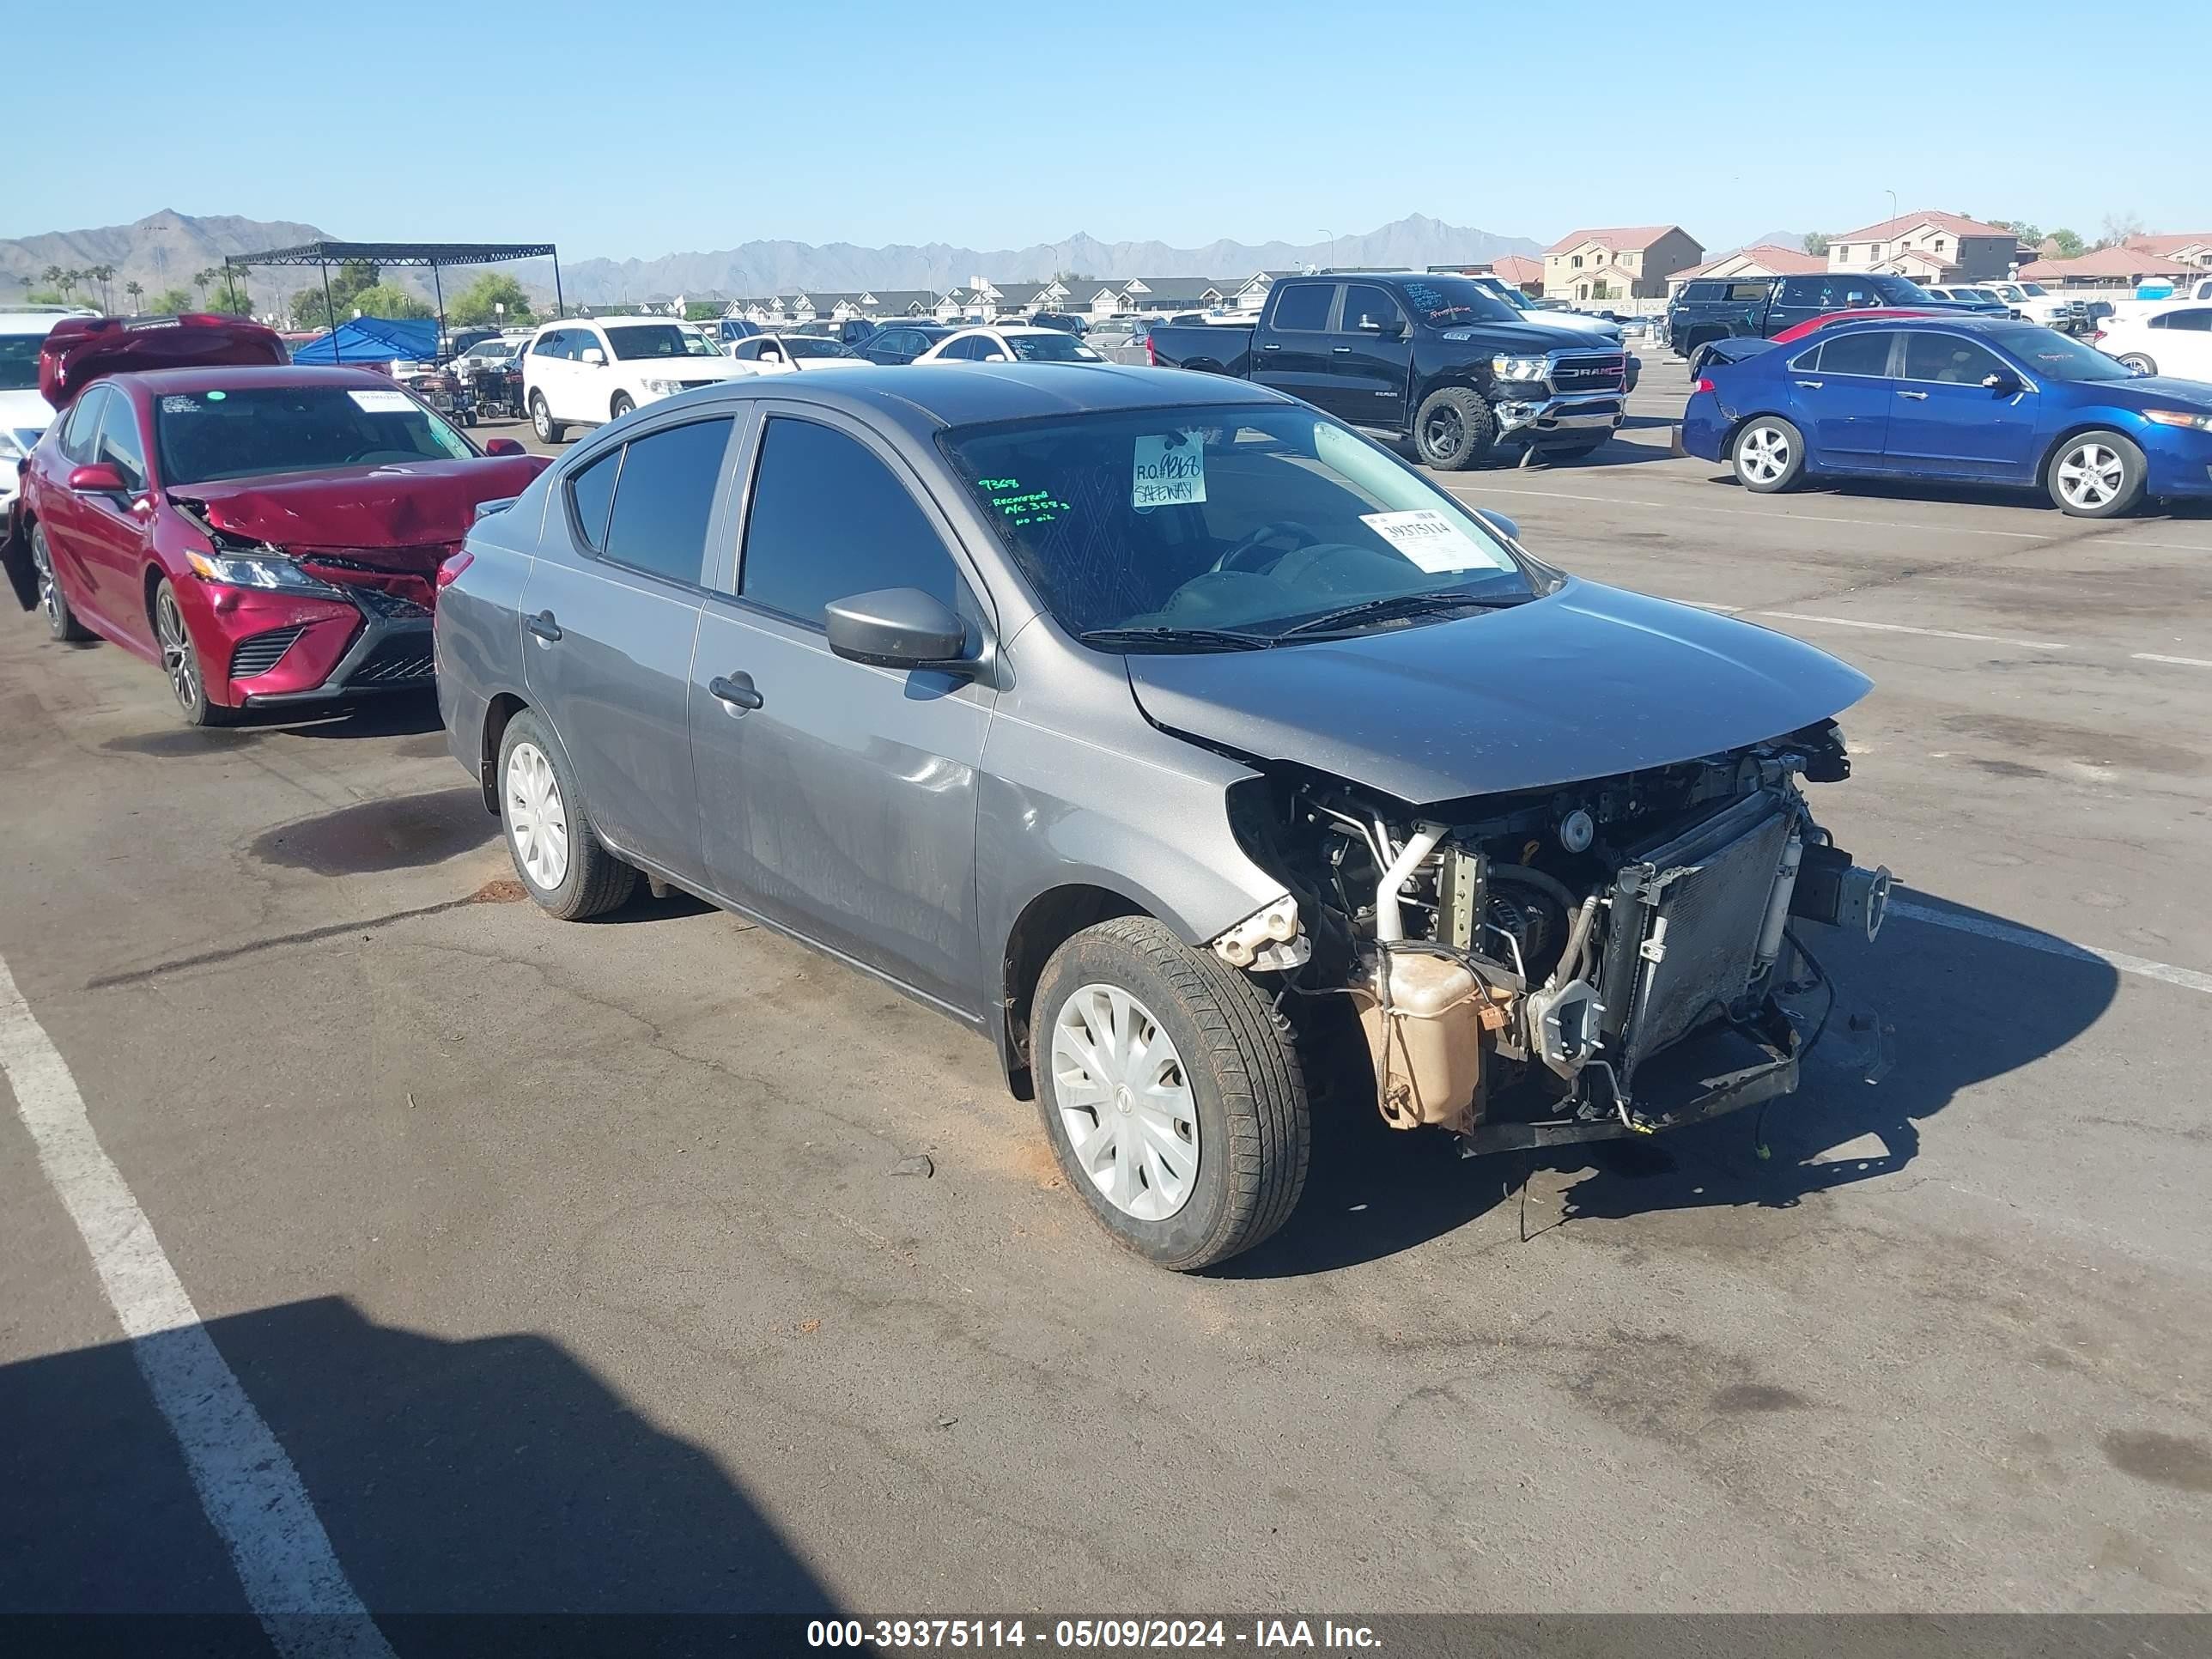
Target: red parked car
[[268, 534]]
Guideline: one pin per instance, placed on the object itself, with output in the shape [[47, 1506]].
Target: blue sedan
[[1964, 400]]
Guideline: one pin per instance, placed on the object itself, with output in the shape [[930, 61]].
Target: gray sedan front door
[[836, 799]]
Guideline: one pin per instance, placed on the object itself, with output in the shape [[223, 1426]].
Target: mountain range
[[164, 249]]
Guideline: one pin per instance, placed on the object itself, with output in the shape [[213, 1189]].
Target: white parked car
[[1009, 344], [787, 353], [2039, 304], [24, 415], [580, 372], [2174, 340], [489, 354]]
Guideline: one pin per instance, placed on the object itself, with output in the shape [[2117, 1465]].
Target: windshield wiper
[[1202, 639], [1400, 605]]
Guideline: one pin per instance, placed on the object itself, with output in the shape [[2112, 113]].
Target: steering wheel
[[1282, 528]]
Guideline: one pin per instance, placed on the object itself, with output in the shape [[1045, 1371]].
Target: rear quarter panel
[[478, 631]]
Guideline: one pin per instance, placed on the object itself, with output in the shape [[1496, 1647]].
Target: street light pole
[[1331, 234]]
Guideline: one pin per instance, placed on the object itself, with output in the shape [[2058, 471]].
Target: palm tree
[[52, 276], [134, 290], [105, 275], [202, 279], [69, 279]]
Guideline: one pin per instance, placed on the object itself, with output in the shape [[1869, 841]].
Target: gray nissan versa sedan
[[1178, 739]]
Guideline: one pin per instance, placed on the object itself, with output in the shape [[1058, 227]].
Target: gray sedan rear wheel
[[559, 856]]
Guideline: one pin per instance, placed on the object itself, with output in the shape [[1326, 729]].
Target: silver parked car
[[1178, 739]]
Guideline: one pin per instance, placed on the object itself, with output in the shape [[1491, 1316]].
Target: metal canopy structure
[[432, 257]]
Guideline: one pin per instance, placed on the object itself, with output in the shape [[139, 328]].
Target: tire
[[540, 418], [1453, 429], [53, 604], [1230, 1065], [2141, 364], [1768, 454], [565, 869], [180, 662], [2096, 475], [623, 404]]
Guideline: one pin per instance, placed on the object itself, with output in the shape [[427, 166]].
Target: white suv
[[23, 413], [579, 373]]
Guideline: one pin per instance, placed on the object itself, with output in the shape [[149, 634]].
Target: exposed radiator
[[1695, 904]]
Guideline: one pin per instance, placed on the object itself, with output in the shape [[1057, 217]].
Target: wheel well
[[614, 412], [153, 580], [1698, 337], [504, 708], [2050, 454], [1046, 922]]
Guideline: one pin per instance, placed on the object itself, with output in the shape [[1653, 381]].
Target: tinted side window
[[665, 497], [1949, 359], [1856, 353], [2198, 321], [1365, 301], [829, 520], [80, 438], [1701, 291], [1304, 308], [592, 492], [1801, 291], [119, 444], [1751, 291]]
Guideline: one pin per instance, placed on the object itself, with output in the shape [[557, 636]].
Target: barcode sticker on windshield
[[382, 403], [1434, 541], [1170, 470]]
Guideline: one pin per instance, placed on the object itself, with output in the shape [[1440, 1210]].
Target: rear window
[[250, 431], [19, 362]]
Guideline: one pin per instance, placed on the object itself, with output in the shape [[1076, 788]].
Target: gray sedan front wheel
[[1171, 1092]]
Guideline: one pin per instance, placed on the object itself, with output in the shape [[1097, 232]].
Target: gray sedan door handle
[[737, 690], [1917, 397], [544, 627]]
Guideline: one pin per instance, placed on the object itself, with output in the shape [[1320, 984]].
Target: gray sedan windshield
[[1176, 521]]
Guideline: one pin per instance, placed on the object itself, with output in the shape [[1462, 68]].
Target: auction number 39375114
[[1089, 1635]]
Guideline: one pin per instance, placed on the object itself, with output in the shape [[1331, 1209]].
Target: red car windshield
[[250, 431]]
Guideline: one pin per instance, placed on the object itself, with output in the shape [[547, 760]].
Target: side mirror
[[1498, 521], [896, 627], [992, 357], [99, 478], [504, 447], [2004, 385], [1382, 328], [593, 355]]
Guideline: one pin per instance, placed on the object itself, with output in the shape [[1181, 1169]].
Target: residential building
[[1761, 259], [2191, 247], [1518, 271], [2105, 268], [1627, 262], [1928, 248], [1252, 294]]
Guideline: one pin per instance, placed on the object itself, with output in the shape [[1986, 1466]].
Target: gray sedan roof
[[923, 397]]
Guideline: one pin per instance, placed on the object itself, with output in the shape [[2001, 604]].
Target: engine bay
[[1546, 966]]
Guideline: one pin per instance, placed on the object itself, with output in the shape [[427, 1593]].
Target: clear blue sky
[[651, 130]]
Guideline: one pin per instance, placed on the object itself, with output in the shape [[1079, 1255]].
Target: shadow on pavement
[[1960, 1009], [489, 1476]]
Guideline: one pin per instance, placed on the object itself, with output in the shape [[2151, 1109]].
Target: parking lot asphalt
[[572, 1268]]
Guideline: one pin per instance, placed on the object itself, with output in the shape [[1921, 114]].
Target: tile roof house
[[1761, 259], [2106, 265], [2190, 247], [1622, 262], [1929, 247], [1520, 272]]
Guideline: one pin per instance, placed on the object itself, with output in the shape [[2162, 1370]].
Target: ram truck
[[1436, 360]]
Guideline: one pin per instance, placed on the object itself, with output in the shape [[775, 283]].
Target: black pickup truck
[[1761, 307], [1426, 357]]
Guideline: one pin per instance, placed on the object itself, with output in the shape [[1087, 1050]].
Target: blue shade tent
[[373, 340]]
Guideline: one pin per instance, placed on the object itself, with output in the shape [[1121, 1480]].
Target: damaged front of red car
[[268, 534]]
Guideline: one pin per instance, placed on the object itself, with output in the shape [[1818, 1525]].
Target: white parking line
[[245, 1482], [2188, 978], [1902, 628], [2179, 662]]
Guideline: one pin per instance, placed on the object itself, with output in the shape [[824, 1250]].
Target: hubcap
[[176, 650], [541, 419], [2091, 475], [536, 818], [1125, 1102], [1764, 455], [50, 598]]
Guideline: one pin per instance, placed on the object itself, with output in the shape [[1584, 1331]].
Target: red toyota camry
[[267, 534]]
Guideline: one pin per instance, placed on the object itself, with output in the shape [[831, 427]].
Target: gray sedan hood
[[1586, 682]]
